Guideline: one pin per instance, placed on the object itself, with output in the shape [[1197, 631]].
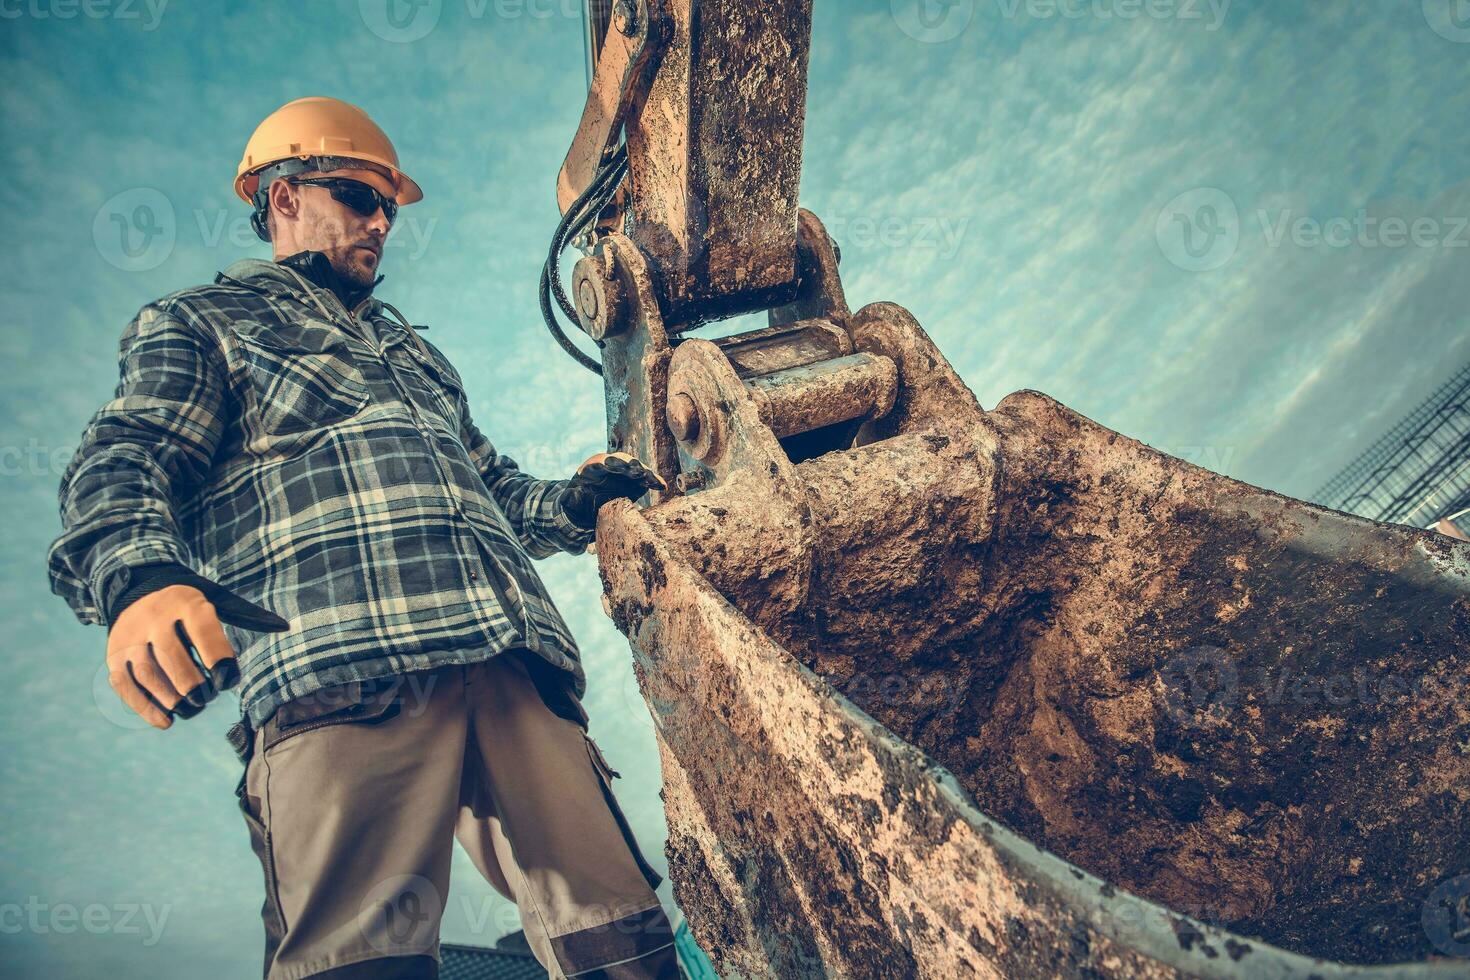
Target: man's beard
[[353, 272]]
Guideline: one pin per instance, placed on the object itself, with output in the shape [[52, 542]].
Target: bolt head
[[587, 299], [597, 294], [625, 18]]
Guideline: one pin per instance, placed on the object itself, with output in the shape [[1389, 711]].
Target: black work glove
[[605, 477]]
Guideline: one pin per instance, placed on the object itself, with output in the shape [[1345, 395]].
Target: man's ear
[[285, 199]]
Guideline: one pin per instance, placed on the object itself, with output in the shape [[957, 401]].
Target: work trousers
[[354, 795]]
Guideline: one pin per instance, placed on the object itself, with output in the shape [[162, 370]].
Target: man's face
[[353, 243]]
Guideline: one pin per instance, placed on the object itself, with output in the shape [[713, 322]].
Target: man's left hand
[[605, 477]]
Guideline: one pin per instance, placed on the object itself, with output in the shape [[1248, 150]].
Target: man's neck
[[317, 269]]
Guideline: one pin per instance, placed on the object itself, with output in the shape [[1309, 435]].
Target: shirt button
[[474, 575]]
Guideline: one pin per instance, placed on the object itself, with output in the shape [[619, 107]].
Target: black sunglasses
[[360, 197]]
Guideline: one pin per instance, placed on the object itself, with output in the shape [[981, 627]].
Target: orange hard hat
[[331, 130]]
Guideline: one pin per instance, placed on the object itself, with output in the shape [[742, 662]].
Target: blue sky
[[1235, 230]]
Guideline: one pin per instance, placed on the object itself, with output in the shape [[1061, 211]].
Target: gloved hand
[[604, 477], [171, 641]]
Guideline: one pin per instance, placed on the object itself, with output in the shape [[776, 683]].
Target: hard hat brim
[[407, 190]]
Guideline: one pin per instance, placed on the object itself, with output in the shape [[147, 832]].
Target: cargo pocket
[[606, 774], [301, 378], [368, 702]]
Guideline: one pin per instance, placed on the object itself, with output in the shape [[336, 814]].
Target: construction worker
[[287, 496]]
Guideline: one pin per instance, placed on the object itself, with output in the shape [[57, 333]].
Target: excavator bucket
[[943, 692], [1009, 694]]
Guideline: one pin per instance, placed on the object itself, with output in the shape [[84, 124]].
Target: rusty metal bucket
[[1008, 694]]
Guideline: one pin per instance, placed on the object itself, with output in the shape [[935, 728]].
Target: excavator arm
[[942, 691], [625, 40]]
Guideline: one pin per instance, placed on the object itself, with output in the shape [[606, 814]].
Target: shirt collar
[[307, 265], [318, 270]]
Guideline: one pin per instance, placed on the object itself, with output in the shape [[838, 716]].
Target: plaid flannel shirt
[[322, 464]]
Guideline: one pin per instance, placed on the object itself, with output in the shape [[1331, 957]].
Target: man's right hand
[[148, 661]]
